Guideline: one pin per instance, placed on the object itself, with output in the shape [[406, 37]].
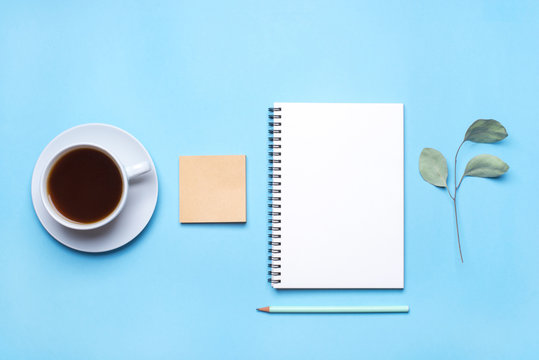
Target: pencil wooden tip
[[264, 309]]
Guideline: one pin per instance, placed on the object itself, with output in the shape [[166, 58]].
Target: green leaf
[[485, 131], [433, 167], [486, 166]]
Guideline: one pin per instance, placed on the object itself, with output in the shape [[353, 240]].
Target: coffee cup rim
[[60, 218]]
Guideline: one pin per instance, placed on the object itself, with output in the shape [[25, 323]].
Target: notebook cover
[[341, 196]]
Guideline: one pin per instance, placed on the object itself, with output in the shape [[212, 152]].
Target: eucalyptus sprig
[[433, 165]]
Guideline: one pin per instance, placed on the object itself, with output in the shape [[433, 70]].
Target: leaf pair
[[433, 165]]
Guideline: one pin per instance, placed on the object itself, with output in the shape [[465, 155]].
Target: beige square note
[[212, 189]]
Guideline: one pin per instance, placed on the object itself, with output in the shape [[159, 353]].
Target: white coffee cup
[[127, 173]]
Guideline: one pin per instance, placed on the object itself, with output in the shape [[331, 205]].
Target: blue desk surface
[[196, 78]]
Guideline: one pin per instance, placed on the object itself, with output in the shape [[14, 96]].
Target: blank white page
[[342, 198]]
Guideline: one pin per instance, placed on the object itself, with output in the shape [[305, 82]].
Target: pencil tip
[[264, 309]]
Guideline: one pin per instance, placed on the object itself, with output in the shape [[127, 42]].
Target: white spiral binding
[[274, 196]]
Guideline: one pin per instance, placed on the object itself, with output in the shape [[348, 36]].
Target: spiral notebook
[[336, 196]]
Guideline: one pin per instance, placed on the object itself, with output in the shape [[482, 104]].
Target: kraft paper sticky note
[[212, 189]]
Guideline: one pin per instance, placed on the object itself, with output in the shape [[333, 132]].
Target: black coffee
[[85, 185]]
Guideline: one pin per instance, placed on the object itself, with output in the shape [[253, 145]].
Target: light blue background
[[196, 78]]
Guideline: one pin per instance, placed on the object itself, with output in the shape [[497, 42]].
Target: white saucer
[[141, 199]]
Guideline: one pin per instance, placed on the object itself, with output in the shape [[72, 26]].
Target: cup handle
[[137, 169]]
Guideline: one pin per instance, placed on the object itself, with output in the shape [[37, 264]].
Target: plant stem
[[460, 181], [457, 223], [455, 200], [457, 154], [449, 192]]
